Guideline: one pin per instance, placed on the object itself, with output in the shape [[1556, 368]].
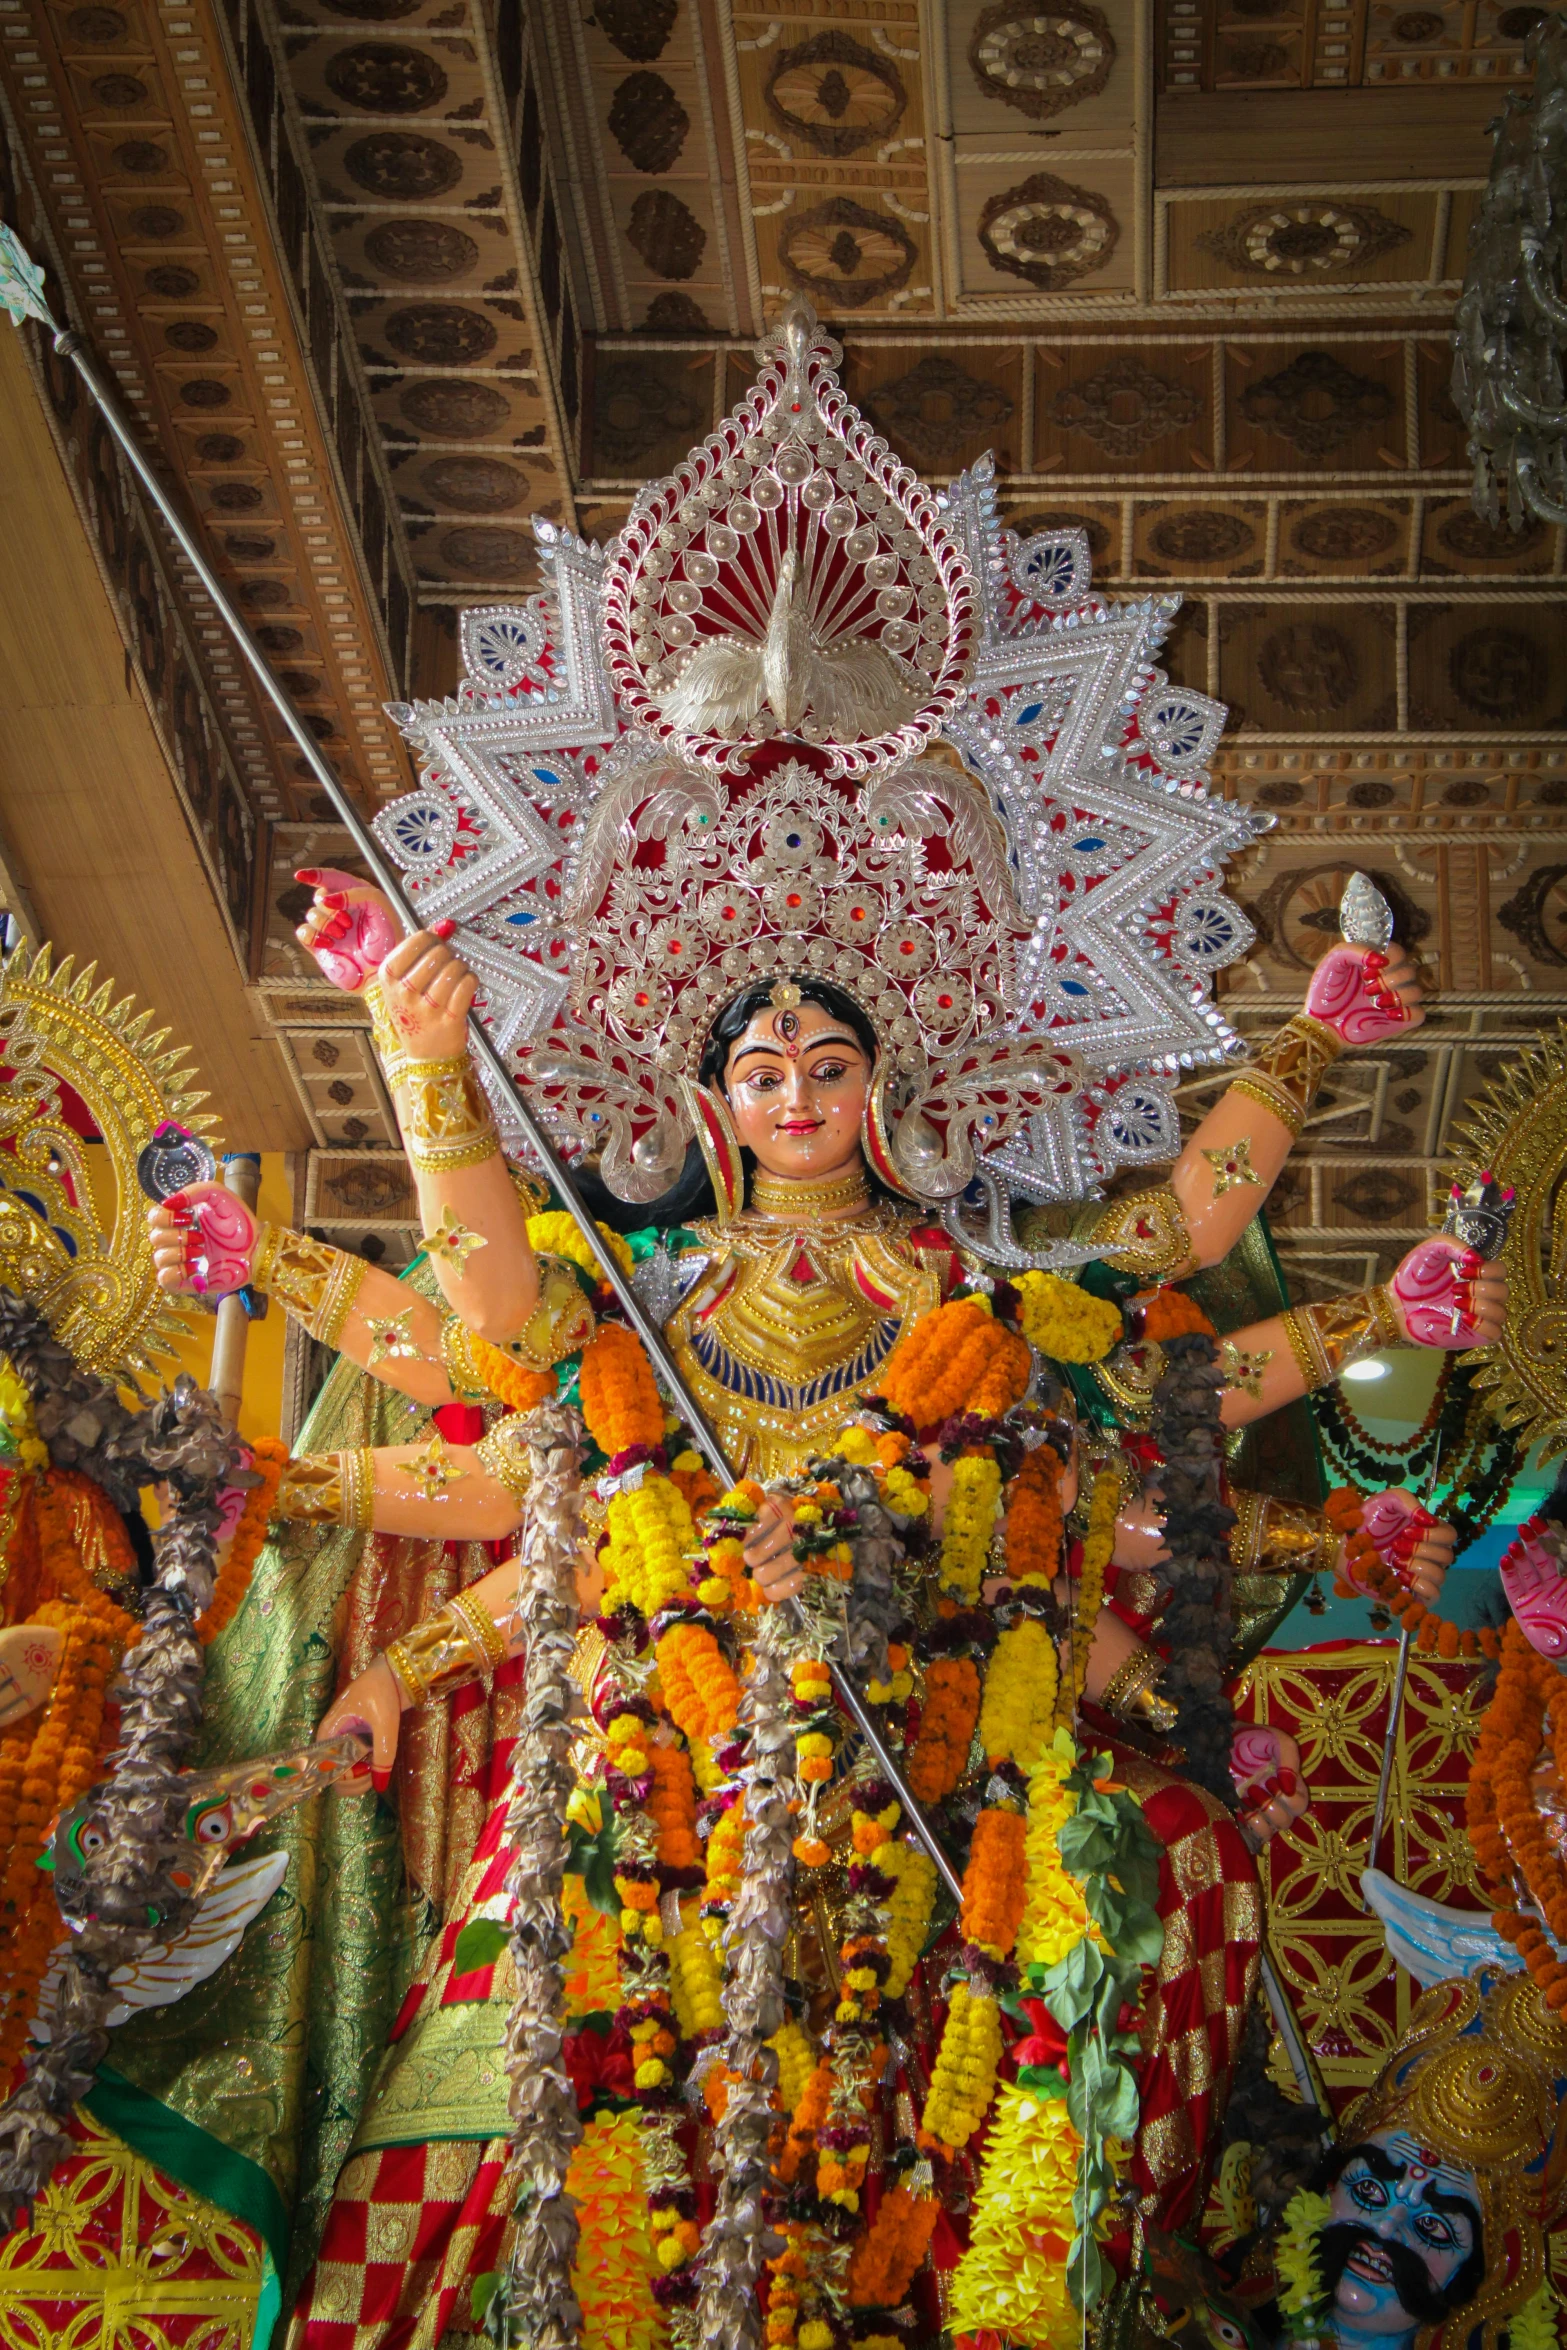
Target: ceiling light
[[1367, 1370]]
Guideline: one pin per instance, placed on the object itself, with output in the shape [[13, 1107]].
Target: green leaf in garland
[[1072, 1983], [592, 1858], [479, 1945]]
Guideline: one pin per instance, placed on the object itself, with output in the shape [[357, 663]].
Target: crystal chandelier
[[1511, 323]]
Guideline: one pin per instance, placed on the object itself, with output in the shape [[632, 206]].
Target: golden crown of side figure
[[86, 1267], [1480, 2077]]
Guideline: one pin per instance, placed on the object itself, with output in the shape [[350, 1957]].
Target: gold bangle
[[1130, 1677], [1287, 1073], [1385, 1312], [448, 1159], [344, 1283], [358, 1469], [489, 1641], [1342, 1329], [1246, 1535], [1274, 1099], [504, 1453], [403, 1668], [310, 1490], [310, 1279], [445, 1116], [1304, 1345], [382, 1034], [442, 1652]]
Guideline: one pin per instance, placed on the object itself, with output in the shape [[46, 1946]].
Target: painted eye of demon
[[87, 1838], [212, 1824]]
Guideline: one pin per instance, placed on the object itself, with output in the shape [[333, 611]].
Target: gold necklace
[[806, 1202]]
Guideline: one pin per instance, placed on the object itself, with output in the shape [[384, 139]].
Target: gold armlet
[[1150, 1231], [504, 1454], [329, 1489], [1287, 1073], [311, 1280], [1325, 1337], [445, 1117], [1132, 1693], [445, 1651], [467, 1385], [560, 1324]]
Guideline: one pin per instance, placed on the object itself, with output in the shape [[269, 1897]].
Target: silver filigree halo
[[1020, 880]]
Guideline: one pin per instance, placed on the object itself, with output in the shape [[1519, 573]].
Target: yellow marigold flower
[[556, 1235]]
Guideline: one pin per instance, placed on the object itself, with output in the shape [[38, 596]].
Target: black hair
[[691, 1193]]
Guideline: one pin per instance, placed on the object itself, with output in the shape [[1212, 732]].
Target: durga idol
[[796, 947]]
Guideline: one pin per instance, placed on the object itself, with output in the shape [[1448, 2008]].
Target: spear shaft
[[71, 344]]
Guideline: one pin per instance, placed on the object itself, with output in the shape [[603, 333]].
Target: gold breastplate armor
[[790, 1325]]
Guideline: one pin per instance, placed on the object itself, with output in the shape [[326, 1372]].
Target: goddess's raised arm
[[1222, 1177], [419, 994]]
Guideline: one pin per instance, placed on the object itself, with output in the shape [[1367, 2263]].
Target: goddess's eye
[[830, 1072]]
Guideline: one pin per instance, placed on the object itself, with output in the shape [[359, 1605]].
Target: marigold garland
[[887, 2255], [698, 1682], [1055, 1916], [1018, 1712], [671, 1806], [651, 1538], [964, 2076], [557, 1234], [909, 1912], [619, 1394], [940, 1753], [1067, 1323], [959, 1358], [1033, 1522], [47, 1763], [268, 1459], [509, 1382], [1169, 1313], [994, 1882], [970, 1524], [1012, 2280]]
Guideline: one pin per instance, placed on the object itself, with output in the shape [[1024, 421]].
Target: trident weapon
[[21, 283]]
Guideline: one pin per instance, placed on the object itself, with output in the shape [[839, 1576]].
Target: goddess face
[[796, 1081], [1402, 2228]]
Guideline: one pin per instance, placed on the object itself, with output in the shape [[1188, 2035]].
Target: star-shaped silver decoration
[[452, 1242]]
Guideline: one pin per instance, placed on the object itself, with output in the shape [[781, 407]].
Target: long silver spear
[[21, 284]]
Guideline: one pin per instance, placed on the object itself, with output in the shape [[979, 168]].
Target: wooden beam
[[1279, 138], [88, 810]]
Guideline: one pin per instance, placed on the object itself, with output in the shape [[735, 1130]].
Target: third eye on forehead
[[838, 1038]]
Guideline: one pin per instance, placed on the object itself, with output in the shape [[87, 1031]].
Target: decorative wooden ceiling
[[384, 279]]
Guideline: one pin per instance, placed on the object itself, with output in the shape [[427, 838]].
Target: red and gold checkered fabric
[[410, 2229]]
